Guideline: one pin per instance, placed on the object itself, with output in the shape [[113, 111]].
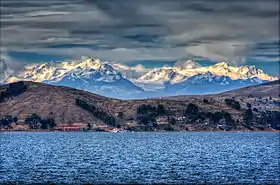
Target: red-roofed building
[[71, 127]]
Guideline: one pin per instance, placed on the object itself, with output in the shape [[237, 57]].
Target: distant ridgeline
[[14, 89]]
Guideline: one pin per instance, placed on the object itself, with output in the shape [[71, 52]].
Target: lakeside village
[[36, 123], [10, 123]]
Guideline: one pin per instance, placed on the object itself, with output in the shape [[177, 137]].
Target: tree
[[146, 110], [120, 115], [89, 126], [255, 110], [47, 123], [97, 112], [249, 106], [201, 115], [270, 118], [15, 119], [171, 120], [50, 123], [233, 103], [6, 122], [83, 104], [161, 110], [226, 116], [44, 124], [217, 116], [191, 112], [248, 116], [205, 101], [109, 120], [34, 121], [9, 118], [209, 115], [146, 120], [192, 109]]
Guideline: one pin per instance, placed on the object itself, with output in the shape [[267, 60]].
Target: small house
[[162, 120]]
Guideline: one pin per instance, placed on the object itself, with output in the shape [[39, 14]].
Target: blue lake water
[[143, 158]]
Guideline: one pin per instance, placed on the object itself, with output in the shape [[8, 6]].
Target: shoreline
[[268, 130]]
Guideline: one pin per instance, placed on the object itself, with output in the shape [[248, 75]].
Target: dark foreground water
[[143, 158]]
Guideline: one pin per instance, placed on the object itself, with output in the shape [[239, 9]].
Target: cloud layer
[[126, 30], [8, 66]]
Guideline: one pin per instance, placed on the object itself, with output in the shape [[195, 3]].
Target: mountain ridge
[[183, 78], [219, 69]]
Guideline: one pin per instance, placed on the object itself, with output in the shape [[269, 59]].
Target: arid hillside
[[60, 103], [46, 100]]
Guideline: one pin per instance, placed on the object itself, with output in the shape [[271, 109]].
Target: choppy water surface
[[144, 158]]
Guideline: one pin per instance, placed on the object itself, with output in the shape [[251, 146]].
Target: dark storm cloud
[[143, 29], [245, 8]]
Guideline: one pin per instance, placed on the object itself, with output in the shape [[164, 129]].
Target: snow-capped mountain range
[[182, 72], [87, 74], [182, 78]]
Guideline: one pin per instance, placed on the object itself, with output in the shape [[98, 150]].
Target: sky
[[148, 32]]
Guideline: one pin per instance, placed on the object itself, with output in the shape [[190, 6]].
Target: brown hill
[[59, 102], [45, 100]]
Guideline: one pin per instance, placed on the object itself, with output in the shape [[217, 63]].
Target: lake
[[140, 158]]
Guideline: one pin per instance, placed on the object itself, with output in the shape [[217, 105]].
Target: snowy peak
[[161, 75], [84, 63], [223, 65], [86, 68], [221, 68], [89, 64], [39, 73], [182, 71], [250, 71]]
